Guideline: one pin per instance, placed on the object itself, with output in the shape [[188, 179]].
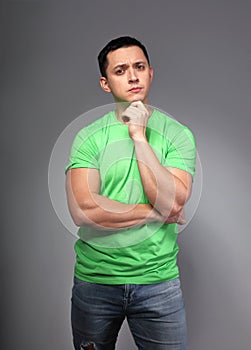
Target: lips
[[136, 89]]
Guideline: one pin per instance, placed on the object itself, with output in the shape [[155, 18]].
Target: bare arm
[[167, 189], [87, 207]]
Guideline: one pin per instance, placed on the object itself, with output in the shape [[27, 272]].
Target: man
[[128, 179]]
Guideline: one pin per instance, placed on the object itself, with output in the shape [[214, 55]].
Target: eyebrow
[[123, 65]]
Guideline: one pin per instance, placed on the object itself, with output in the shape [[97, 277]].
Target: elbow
[[175, 204], [84, 220], [78, 219], [81, 217], [168, 212]]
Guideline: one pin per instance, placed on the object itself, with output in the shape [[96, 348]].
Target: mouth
[[135, 89]]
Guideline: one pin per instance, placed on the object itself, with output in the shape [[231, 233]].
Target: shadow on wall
[[213, 285], [125, 340]]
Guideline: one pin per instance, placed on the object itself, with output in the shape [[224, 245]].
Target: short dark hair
[[123, 41]]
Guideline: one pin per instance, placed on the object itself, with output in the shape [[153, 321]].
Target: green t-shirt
[[146, 253]]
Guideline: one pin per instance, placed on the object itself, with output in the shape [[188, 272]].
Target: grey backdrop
[[201, 54]]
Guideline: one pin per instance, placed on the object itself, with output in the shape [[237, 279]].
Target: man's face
[[128, 75]]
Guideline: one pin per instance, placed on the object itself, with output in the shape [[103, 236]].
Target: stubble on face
[[129, 75]]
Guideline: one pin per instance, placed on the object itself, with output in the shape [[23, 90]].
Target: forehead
[[125, 55]]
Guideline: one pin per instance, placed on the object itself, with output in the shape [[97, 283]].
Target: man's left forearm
[[165, 191]]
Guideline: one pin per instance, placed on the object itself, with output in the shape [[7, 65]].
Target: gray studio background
[[201, 54]]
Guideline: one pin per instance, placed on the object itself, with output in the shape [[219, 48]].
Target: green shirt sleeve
[[84, 152], [181, 151]]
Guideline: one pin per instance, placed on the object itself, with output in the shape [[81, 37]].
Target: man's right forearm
[[110, 214], [89, 208], [104, 213]]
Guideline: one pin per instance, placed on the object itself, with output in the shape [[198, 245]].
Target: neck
[[120, 108]]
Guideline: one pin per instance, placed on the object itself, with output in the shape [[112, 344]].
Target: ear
[[104, 84], [151, 73]]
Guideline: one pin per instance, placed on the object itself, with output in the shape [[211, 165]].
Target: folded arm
[[89, 208], [167, 189]]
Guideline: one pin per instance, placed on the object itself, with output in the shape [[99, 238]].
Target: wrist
[[139, 139]]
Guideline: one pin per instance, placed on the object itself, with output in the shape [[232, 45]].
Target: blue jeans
[[155, 315]]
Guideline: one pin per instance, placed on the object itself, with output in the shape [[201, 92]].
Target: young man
[[128, 179]]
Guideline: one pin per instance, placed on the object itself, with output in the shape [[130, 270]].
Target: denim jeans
[[155, 315]]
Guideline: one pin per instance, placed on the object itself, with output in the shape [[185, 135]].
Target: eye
[[140, 66], [119, 71]]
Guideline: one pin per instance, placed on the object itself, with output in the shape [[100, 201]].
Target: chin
[[138, 98], [131, 99]]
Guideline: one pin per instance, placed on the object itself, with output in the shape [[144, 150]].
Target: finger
[[137, 104], [140, 105], [131, 113], [181, 221]]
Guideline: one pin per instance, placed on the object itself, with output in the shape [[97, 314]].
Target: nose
[[132, 75]]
